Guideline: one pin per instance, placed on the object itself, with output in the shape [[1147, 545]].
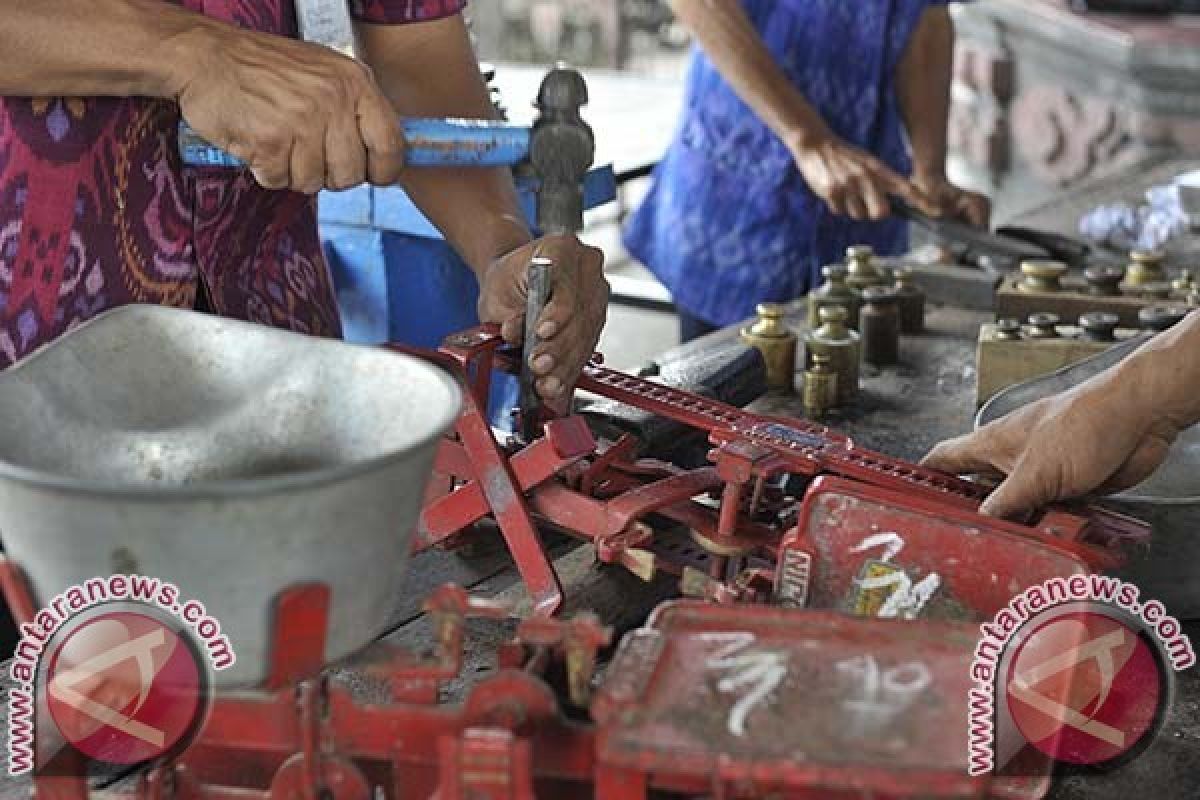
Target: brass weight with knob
[[770, 335]]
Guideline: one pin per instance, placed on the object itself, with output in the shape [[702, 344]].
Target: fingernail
[[547, 329], [543, 363]]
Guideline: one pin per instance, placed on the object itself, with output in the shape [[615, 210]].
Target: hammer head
[[562, 149]]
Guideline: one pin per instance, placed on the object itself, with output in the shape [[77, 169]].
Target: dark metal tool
[[980, 240], [540, 281]]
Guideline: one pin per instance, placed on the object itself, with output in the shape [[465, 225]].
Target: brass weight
[[841, 345], [835, 292], [1145, 267], [1042, 276], [771, 336], [820, 386], [862, 271]]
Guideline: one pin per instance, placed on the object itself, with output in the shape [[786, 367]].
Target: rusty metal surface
[[930, 563], [791, 701]]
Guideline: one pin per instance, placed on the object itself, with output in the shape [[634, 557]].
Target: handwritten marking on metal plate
[[750, 672], [879, 695], [885, 590]]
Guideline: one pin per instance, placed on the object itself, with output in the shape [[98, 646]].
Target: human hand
[[572, 320], [1096, 437], [301, 116], [852, 182], [954, 202]]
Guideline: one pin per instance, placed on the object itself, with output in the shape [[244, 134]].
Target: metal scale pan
[[231, 459]]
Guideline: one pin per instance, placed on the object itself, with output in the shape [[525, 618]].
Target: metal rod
[[539, 294], [427, 143]]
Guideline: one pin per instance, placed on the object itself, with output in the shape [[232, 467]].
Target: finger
[[542, 362], [380, 131], [1026, 489], [962, 456], [272, 176], [894, 183], [875, 196], [976, 209], [273, 172], [835, 198], [856, 207], [345, 155], [513, 330], [308, 164]]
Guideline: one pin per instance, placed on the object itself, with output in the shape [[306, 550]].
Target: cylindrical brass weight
[[912, 302], [820, 386], [771, 336], [841, 345], [835, 292], [1145, 266], [879, 323], [862, 271], [1042, 276]]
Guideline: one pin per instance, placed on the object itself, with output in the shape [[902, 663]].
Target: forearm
[[95, 48], [923, 83], [1162, 379], [429, 70], [737, 50]]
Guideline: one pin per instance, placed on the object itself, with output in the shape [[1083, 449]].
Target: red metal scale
[[872, 535], [718, 701], [601, 493]]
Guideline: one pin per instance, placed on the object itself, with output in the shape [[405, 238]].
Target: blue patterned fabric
[[729, 221]]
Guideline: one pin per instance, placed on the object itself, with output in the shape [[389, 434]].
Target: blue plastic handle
[[428, 143]]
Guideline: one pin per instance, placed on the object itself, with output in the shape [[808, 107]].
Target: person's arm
[[923, 84], [301, 116], [1107, 434], [848, 179], [116, 48], [429, 70]]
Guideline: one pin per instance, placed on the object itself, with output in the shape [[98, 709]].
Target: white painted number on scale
[[906, 599], [752, 673], [884, 693]]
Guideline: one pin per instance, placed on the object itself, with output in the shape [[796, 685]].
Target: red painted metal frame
[[604, 495], [304, 736]]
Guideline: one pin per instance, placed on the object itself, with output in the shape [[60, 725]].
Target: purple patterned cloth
[[97, 211]]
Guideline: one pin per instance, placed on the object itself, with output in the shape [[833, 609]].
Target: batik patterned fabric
[[97, 211], [729, 221]]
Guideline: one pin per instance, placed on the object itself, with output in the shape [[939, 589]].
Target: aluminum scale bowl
[[231, 459], [1169, 568]]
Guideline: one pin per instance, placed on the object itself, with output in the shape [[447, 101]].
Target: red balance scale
[[724, 695]]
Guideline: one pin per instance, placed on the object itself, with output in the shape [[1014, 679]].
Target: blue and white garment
[[729, 221]]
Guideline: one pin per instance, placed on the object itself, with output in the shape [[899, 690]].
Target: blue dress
[[729, 221]]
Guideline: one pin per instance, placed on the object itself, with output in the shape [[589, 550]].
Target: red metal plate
[[758, 700], [877, 552]]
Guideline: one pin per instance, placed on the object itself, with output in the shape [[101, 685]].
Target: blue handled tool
[[427, 143]]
